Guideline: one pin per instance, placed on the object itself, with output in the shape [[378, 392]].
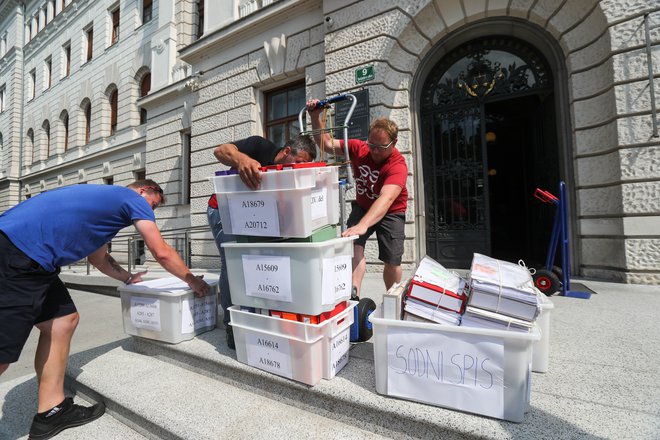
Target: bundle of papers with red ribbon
[[436, 294], [502, 295]]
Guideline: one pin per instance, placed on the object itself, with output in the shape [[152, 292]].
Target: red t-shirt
[[370, 177]]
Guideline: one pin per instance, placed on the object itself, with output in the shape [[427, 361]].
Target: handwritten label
[[270, 353], [254, 213], [339, 346], [267, 277], [319, 203], [457, 370], [198, 313], [145, 313]]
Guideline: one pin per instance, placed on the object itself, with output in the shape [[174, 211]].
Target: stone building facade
[[493, 99]]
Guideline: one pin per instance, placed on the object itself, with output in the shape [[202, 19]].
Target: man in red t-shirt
[[381, 196]]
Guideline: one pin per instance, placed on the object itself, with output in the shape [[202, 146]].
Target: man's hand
[[358, 229], [136, 277], [249, 171], [199, 286], [313, 107]]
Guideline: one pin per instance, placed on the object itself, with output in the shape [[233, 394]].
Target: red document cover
[[437, 296], [434, 284]]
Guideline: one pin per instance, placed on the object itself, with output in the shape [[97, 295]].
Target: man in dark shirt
[[247, 156]]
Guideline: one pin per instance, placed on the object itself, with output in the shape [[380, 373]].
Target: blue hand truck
[[361, 329], [547, 280]]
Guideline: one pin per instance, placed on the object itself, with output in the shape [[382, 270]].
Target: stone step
[[164, 401], [21, 401]]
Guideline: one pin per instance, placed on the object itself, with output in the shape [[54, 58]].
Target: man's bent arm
[[104, 262], [388, 195], [248, 168], [167, 257]]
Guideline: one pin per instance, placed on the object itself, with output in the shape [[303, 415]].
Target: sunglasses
[[382, 147]]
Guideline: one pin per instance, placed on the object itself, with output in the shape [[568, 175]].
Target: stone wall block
[[634, 97], [588, 56], [606, 252], [616, 10], [633, 66], [475, 9], [451, 12], [212, 123], [294, 46], [642, 254], [596, 110], [224, 71], [588, 32], [598, 170], [497, 8], [429, 23], [359, 53], [243, 80], [593, 81], [391, 23], [640, 163], [213, 107], [212, 138], [600, 201], [412, 40], [211, 92], [310, 56], [634, 130], [573, 12], [641, 198], [259, 62], [241, 115], [244, 96], [378, 94]]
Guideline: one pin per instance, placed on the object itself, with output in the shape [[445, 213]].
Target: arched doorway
[[489, 138]]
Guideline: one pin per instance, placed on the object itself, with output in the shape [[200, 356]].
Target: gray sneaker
[[68, 416]]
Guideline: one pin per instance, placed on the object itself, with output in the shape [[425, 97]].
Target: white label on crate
[[339, 351], [267, 277], [145, 313], [337, 276], [198, 313], [455, 370], [268, 352], [254, 213], [319, 203]]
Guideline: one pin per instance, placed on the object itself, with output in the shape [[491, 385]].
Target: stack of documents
[[502, 295], [435, 294]]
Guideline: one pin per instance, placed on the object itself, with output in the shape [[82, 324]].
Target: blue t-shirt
[[67, 224]]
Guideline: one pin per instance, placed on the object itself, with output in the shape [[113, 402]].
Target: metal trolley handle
[[350, 181]]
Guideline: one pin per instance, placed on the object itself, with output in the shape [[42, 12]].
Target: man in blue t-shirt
[[57, 228], [247, 156]]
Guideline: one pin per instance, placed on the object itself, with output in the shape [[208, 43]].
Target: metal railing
[[179, 238]]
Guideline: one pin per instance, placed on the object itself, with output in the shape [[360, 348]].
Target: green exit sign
[[364, 74]]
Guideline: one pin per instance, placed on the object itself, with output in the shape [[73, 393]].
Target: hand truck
[[361, 329], [547, 280]]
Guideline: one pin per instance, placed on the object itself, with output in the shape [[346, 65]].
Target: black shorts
[[29, 295], [390, 232]]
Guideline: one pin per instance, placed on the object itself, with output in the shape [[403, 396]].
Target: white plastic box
[[482, 371], [302, 352], [306, 278], [167, 310], [541, 348], [290, 203]]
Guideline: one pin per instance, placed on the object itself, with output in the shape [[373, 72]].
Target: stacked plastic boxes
[[289, 273]]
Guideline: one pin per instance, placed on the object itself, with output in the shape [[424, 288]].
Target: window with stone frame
[[282, 108], [89, 43], [147, 11], [114, 16], [113, 98], [145, 87]]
